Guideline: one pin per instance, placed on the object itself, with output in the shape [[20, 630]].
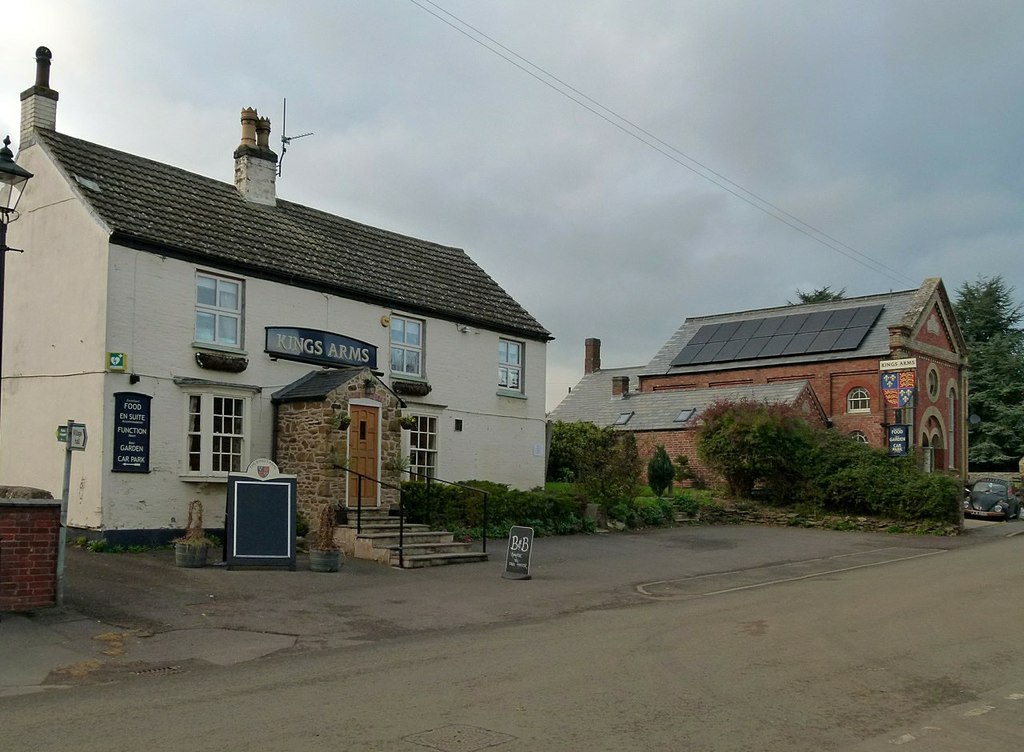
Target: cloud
[[893, 127]]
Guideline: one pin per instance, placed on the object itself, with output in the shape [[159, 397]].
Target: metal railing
[[360, 478], [428, 479]]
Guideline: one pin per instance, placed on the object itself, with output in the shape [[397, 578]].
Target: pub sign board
[[899, 440], [517, 558], [131, 432], [319, 347], [259, 522]]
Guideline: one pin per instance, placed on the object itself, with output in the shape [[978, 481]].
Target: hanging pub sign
[[899, 440], [320, 348], [131, 432], [898, 388]]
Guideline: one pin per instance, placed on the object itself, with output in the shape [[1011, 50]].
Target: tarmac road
[[809, 641]]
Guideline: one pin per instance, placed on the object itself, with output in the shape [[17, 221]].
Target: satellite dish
[[974, 419]]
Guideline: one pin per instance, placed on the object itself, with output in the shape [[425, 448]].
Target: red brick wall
[[832, 382], [29, 537], [676, 443]]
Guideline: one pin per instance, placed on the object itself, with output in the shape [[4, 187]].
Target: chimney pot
[[43, 58], [263, 133], [249, 118], [592, 355]]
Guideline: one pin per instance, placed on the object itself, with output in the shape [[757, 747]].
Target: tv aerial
[[286, 139]]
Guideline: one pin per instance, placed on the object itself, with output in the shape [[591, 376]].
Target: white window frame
[[406, 347], [511, 370], [219, 311], [423, 448], [210, 439], [858, 400]]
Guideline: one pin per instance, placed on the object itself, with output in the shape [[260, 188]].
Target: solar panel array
[[779, 336]]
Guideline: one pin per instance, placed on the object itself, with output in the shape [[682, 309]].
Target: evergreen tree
[[660, 472], [990, 323], [819, 295]]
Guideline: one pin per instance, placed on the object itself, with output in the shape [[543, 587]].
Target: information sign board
[[259, 520], [517, 558], [899, 440], [131, 432]]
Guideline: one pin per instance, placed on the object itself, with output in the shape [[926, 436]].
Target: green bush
[[752, 442], [605, 462], [460, 508]]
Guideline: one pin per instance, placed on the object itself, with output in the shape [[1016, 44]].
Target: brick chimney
[[38, 102], [255, 161], [620, 386], [591, 355]]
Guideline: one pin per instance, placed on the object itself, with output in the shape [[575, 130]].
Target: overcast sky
[[892, 126]]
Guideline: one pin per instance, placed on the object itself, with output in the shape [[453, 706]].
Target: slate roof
[[167, 210], [591, 400], [315, 385], [898, 308]]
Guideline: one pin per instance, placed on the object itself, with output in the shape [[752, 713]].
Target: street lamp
[[12, 181]]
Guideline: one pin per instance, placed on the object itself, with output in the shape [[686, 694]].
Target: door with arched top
[[363, 455]]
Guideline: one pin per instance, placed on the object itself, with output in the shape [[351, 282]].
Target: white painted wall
[[54, 309], [73, 297]]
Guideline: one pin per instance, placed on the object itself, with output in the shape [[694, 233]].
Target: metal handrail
[[486, 495], [401, 504]]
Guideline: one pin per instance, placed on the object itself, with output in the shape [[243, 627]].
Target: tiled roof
[[315, 385], [591, 400], [897, 306], [157, 207]]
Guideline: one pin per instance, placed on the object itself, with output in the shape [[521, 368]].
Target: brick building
[[888, 370]]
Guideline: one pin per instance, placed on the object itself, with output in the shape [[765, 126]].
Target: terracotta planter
[[324, 561], [188, 556]]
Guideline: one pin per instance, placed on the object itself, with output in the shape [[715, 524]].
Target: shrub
[[605, 462], [660, 472], [460, 508], [750, 442]]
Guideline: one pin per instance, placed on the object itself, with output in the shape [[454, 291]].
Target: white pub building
[[194, 325]]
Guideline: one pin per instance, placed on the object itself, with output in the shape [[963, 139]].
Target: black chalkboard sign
[[517, 559], [259, 520], [131, 432]]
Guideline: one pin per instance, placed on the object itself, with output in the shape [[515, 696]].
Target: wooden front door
[[363, 454]]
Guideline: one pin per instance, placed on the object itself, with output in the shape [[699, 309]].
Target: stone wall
[[311, 446]]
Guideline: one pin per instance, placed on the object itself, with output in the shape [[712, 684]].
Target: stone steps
[[378, 540]]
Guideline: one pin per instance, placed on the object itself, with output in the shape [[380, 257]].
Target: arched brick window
[[858, 400], [859, 436]]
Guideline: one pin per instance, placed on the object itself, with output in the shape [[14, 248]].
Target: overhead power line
[[652, 141]]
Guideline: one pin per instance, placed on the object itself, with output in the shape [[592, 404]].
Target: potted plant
[[342, 421], [190, 549], [407, 422], [324, 553]]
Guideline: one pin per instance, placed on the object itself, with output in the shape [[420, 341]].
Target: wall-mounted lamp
[[369, 387], [134, 378]]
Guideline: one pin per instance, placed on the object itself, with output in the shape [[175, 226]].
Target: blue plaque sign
[[131, 432], [320, 348]]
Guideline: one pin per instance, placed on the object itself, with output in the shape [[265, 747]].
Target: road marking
[[705, 585]]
